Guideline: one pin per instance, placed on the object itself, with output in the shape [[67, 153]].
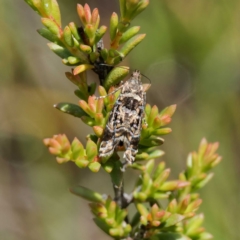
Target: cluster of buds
[[111, 218], [131, 8], [90, 22], [108, 215], [187, 206], [154, 185], [80, 80], [198, 165], [162, 224], [155, 125], [194, 230], [156, 219], [65, 151], [179, 217], [121, 33], [80, 46]]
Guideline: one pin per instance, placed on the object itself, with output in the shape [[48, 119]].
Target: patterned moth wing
[[125, 121]]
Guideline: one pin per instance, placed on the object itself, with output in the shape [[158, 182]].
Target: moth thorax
[[135, 85]]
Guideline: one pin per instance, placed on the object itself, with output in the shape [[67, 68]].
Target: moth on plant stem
[[125, 121]]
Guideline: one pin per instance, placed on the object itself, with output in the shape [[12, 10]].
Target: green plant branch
[[82, 48], [118, 183]]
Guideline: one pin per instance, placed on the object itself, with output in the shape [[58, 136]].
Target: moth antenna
[[147, 79]]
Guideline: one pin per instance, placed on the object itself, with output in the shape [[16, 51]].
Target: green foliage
[[79, 47]]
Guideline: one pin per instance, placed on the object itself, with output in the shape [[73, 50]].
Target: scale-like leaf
[[71, 109]]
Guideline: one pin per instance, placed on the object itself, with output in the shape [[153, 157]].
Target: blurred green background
[[192, 55]]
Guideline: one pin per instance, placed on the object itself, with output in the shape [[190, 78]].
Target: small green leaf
[[168, 110], [81, 95], [146, 183], [77, 149], [56, 12], [44, 32], [90, 32], [102, 225], [161, 178], [74, 60], [112, 210], [151, 141], [193, 224], [87, 194], [88, 120], [159, 169], [35, 6], [141, 156], [108, 166], [67, 34], [158, 195], [150, 166], [142, 209], [99, 33], [115, 76], [155, 154], [74, 30], [113, 25], [115, 232], [131, 44], [71, 109], [94, 56], [162, 131], [47, 6], [204, 181], [94, 167], [82, 68], [122, 7], [148, 109], [140, 8], [85, 48], [82, 163], [52, 26], [153, 115], [60, 51], [173, 220], [131, 32], [141, 196], [104, 54], [91, 151]]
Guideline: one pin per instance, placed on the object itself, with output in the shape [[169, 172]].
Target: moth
[[125, 121]]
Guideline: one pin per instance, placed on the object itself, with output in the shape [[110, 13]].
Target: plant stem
[[118, 183]]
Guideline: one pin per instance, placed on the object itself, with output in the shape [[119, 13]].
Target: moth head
[[134, 81], [136, 75]]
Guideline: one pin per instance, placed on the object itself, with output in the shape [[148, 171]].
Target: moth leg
[[117, 89]]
